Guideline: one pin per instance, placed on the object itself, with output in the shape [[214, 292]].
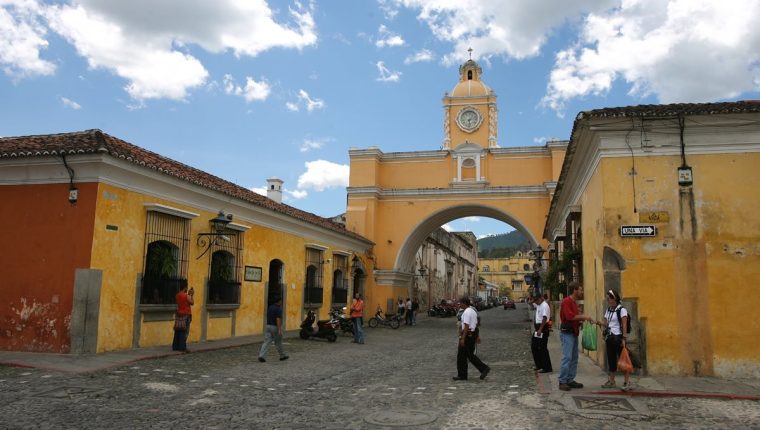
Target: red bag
[[624, 361]]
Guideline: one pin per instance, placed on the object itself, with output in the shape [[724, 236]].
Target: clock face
[[469, 119]]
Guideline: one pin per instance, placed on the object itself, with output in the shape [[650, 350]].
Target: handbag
[[624, 361], [180, 322], [589, 337]]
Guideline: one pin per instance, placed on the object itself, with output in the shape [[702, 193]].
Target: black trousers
[[539, 348], [467, 352]]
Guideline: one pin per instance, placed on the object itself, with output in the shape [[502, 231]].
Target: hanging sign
[[641, 230]]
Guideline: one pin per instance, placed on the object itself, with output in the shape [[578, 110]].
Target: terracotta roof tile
[[95, 141]]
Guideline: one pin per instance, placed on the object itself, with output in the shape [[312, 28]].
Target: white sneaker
[[627, 386]]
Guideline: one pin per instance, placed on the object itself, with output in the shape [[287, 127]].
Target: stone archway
[[405, 260]]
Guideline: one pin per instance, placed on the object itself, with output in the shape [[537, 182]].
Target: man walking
[[357, 316], [467, 339], [540, 338], [409, 312], [273, 331], [571, 318]]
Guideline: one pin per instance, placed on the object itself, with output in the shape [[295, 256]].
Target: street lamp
[[538, 254], [424, 271]]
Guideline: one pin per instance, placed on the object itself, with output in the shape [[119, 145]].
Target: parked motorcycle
[[325, 328], [392, 321], [345, 323]]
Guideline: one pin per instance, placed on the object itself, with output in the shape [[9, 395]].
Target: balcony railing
[[313, 295], [160, 291], [339, 295], [223, 293]]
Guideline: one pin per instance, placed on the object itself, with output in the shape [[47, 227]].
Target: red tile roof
[[95, 141]]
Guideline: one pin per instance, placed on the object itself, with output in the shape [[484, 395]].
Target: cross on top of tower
[[470, 51]]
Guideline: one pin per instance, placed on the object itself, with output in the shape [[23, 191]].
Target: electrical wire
[[633, 161]]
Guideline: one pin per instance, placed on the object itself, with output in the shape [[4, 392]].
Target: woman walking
[[615, 325]]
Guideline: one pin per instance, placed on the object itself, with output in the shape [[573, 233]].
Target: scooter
[[325, 328]]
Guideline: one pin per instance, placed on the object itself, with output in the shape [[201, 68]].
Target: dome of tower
[[469, 84]]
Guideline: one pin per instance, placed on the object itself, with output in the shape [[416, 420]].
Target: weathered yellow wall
[[126, 210], [504, 279], [690, 286]]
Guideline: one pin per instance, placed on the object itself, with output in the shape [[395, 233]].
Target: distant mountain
[[502, 245]]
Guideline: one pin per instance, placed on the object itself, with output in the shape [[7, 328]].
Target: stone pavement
[[400, 378]]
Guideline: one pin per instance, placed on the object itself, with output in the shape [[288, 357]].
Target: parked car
[[509, 304]]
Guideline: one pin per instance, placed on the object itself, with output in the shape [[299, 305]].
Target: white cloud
[[259, 190], [253, 90], [321, 175], [390, 10], [305, 100], [386, 75], [447, 227], [680, 51], [309, 143], [22, 37], [515, 29], [419, 57], [539, 140], [472, 218], [145, 41], [386, 38], [70, 103], [310, 104], [297, 194]]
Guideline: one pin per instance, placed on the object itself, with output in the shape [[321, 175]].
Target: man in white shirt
[[540, 338], [467, 339]]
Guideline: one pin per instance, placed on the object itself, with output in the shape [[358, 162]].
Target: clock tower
[[470, 115]]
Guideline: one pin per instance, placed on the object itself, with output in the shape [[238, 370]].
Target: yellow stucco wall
[[515, 271], [695, 290], [119, 254]]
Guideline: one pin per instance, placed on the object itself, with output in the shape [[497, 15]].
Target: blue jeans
[[271, 335], [358, 329], [569, 364], [180, 337]]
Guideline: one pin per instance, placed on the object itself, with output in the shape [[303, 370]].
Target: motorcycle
[[345, 323], [394, 321], [325, 328]]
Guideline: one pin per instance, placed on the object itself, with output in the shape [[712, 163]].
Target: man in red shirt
[[571, 318]]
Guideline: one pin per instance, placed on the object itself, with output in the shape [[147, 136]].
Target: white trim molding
[[157, 207]]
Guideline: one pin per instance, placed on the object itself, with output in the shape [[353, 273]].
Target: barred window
[[167, 239], [225, 270], [313, 284], [340, 280]]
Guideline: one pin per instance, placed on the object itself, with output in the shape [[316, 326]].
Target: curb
[[688, 394]]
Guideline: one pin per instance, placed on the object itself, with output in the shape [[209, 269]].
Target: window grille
[[225, 269], [313, 285], [340, 279], [166, 249]]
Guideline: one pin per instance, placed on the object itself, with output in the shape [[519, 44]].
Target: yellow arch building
[[397, 199]]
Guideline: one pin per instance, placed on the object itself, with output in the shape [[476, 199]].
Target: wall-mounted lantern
[[217, 233]]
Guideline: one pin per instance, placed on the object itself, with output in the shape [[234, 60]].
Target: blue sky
[[249, 90]]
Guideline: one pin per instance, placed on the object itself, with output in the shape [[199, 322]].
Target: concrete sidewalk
[[83, 363], [592, 376]]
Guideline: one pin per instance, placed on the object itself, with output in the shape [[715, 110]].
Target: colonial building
[[663, 203], [100, 234], [398, 199], [508, 273], [446, 266]]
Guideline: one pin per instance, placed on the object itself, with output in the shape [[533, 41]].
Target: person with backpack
[[616, 326]]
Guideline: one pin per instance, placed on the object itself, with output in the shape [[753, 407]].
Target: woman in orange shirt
[[184, 301]]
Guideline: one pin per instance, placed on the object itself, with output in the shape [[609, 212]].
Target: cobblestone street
[[399, 377]]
